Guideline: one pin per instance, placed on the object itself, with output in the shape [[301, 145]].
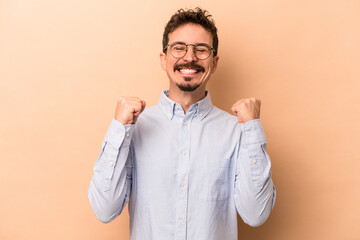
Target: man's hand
[[128, 109], [247, 109]]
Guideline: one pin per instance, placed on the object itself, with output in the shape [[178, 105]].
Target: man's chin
[[188, 87]]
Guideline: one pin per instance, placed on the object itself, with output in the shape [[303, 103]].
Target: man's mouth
[[189, 68]]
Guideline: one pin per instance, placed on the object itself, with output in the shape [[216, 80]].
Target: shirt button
[[181, 218], [111, 164], [200, 114], [185, 123], [127, 135], [169, 115], [253, 161], [177, 107], [184, 153], [247, 132], [120, 134], [182, 185]]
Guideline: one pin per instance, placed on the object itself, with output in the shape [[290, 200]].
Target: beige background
[[64, 63]]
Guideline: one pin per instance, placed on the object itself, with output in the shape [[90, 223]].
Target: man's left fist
[[247, 109]]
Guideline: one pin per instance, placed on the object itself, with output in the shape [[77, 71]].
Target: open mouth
[[188, 71], [189, 68]]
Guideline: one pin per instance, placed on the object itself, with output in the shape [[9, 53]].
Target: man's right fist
[[128, 109]]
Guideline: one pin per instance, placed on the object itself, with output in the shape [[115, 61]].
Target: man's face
[[189, 73]]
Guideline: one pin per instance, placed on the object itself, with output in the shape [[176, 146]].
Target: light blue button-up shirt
[[185, 176]]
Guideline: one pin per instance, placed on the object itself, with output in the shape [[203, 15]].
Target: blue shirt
[[185, 176]]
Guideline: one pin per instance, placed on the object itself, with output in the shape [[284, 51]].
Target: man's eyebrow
[[178, 43], [203, 44], [196, 44]]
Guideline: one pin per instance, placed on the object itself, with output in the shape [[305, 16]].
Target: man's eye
[[201, 50], [179, 48]]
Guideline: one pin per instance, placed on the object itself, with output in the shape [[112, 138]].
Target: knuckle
[[122, 100]]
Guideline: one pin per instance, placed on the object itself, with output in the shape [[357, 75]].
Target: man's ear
[[163, 60], [215, 63]]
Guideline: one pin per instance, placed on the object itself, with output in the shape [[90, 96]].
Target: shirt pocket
[[215, 183]]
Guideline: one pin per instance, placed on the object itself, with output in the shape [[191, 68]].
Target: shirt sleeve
[[254, 189], [110, 185]]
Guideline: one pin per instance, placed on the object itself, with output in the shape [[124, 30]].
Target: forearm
[[110, 185], [254, 189]]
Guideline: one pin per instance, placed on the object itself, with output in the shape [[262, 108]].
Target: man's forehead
[[190, 33]]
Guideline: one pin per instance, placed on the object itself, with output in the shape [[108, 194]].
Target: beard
[[187, 87]]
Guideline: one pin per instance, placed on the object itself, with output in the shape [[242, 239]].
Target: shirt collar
[[169, 107]]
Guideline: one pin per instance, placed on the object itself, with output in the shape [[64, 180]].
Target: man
[[185, 167]]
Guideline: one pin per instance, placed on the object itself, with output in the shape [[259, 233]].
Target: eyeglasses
[[179, 49]]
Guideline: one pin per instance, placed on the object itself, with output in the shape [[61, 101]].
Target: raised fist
[[247, 109], [128, 109]]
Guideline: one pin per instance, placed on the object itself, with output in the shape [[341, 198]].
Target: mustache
[[189, 65]]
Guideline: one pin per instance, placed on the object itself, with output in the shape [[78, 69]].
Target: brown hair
[[196, 16]]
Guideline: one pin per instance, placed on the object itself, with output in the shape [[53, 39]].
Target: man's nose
[[190, 54]]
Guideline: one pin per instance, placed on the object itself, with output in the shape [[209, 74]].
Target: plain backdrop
[[64, 63]]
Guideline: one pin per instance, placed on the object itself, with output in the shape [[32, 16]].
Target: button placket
[[184, 156]]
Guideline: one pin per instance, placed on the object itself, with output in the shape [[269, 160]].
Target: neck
[[186, 99]]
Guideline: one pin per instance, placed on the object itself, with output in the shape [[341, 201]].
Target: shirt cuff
[[253, 132], [119, 134]]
